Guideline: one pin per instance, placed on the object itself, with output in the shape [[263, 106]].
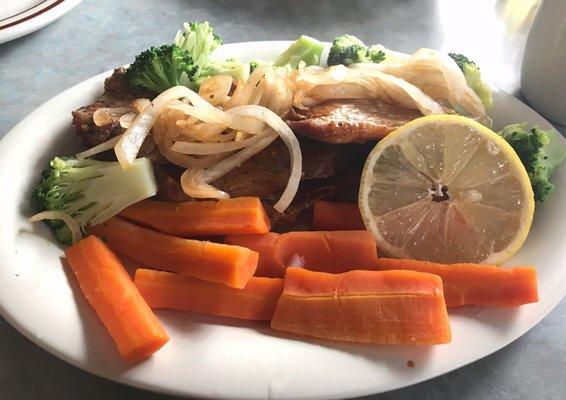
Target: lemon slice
[[445, 188]]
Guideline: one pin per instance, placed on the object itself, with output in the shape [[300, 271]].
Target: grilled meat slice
[[117, 93], [266, 174], [329, 172], [342, 188], [350, 121]]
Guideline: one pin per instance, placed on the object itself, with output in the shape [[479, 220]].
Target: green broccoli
[[304, 49], [91, 191], [158, 69], [199, 40], [235, 68], [256, 64], [348, 49], [473, 78], [540, 152]]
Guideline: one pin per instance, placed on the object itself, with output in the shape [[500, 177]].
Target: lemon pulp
[[446, 189]]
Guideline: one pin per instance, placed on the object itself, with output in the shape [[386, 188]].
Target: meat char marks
[[350, 121]]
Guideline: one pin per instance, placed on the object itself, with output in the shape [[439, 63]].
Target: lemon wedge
[[445, 188]]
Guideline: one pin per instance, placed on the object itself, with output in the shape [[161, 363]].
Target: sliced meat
[[168, 177], [309, 192], [116, 86], [90, 134], [267, 173], [117, 93], [329, 172], [350, 121]]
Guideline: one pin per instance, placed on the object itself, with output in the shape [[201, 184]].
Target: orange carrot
[[476, 284], [242, 215], [334, 216], [256, 301], [118, 303], [336, 251], [215, 262], [269, 263], [383, 307]]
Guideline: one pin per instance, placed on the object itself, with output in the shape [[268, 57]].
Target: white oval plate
[[223, 358], [20, 17]]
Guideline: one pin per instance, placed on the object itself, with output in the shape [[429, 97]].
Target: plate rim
[[10, 317]]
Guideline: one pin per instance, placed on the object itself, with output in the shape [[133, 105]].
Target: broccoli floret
[[256, 64], [473, 78], [304, 49], [91, 191], [540, 152], [235, 68], [159, 68], [348, 49], [199, 40]]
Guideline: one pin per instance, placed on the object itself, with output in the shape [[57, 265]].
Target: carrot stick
[[118, 303], [335, 216], [242, 215], [256, 301], [215, 262], [382, 307], [476, 284], [269, 264], [336, 251]]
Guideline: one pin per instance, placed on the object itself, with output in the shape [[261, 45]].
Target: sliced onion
[[209, 113], [129, 144], [127, 119], [71, 223], [193, 184], [314, 85], [102, 147], [290, 140], [106, 115], [140, 104], [235, 160], [215, 89], [213, 148]]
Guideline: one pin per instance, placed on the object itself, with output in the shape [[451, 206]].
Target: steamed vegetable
[[475, 284], [473, 78], [91, 191], [214, 262], [382, 307], [541, 152], [199, 39], [348, 49], [160, 68], [305, 49], [234, 68], [240, 215], [256, 301], [110, 291], [335, 252]]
